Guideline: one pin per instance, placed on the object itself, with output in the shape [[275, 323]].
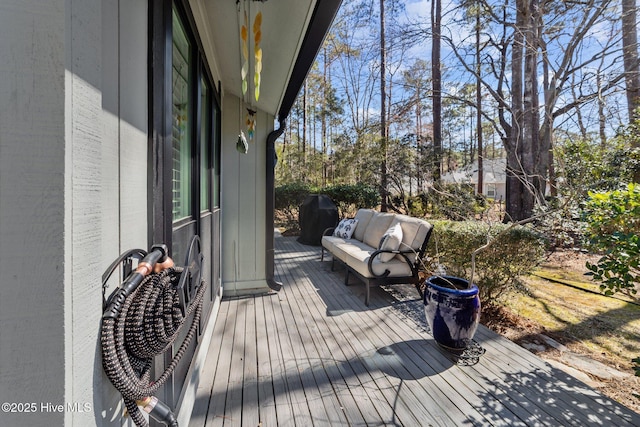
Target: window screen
[[182, 121], [205, 147]]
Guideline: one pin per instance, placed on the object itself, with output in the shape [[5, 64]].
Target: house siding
[[74, 170], [73, 173], [32, 207], [494, 175], [123, 204], [243, 202], [83, 213]]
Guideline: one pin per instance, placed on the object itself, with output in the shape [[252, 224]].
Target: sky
[[454, 76]]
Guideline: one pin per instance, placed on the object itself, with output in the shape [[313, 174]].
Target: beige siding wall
[[73, 159], [73, 196], [124, 123], [83, 217], [243, 202], [32, 207]]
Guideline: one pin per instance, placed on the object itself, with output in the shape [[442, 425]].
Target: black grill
[[317, 213]]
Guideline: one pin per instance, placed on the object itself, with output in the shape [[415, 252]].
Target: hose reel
[[143, 317]]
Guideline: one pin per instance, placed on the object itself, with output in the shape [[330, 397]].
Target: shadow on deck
[[314, 354]]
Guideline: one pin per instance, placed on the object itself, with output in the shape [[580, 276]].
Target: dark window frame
[[160, 203], [161, 226]]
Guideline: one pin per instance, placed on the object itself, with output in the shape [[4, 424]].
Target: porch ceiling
[[284, 26]]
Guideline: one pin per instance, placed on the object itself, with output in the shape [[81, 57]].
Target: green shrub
[[514, 251], [290, 196], [588, 166], [451, 201], [408, 205], [613, 229], [416, 207], [456, 202], [562, 226], [348, 196]]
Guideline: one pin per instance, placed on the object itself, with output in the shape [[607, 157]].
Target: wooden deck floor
[[314, 355]]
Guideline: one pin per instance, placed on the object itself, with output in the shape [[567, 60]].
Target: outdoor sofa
[[379, 248]]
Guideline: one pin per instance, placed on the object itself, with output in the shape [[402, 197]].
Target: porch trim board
[[188, 397], [247, 287]]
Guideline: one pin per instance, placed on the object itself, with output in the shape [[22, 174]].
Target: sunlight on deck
[[314, 354]]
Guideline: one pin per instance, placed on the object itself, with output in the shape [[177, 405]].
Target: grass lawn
[[560, 302]]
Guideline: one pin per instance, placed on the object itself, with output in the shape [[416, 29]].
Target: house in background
[[494, 177], [118, 128]]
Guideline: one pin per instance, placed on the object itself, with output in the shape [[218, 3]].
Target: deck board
[[318, 353], [314, 354], [266, 395]]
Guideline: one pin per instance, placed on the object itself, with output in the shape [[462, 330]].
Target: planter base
[[452, 310], [467, 356]]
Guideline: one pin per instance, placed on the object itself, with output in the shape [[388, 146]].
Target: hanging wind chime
[[250, 118]]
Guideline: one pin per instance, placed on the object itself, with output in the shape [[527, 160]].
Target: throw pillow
[[345, 228], [391, 240]]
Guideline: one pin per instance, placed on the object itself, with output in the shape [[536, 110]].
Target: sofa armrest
[[403, 255], [328, 231]]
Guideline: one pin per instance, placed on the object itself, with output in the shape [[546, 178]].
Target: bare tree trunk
[[324, 119], [602, 120], [547, 132], [472, 153], [532, 162], [436, 75], [304, 124], [541, 142], [527, 157], [299, 113], [631, 64], [479, 108], [579, 118], [630, 55], [383, 113], [515, 176], [418, 142]]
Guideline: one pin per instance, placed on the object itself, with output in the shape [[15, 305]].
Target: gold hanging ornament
[[250, 119], [244, 35], [257, 50], [257, 38]]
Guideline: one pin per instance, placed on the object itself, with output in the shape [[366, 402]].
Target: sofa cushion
[[345, 228], [330, 242], [363, 216], [390, 240], [358, 259], [376, 228], [414, 231], [340, 248]]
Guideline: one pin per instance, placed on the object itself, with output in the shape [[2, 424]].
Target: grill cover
[[316, 214]]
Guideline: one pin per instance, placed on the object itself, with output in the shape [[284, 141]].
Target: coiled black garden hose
[[142, 321]]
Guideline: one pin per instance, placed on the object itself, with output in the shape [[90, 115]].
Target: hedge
[[290, 196], [514, 252]]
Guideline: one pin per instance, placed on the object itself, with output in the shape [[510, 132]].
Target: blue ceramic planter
[[452, 309]]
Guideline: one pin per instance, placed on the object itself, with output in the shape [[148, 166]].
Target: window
[[182, 118], [491, 190], [184, 121], [215, 140], [205, 146]]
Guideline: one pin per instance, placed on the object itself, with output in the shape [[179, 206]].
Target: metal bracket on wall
[[126, 259], [191, 278]]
